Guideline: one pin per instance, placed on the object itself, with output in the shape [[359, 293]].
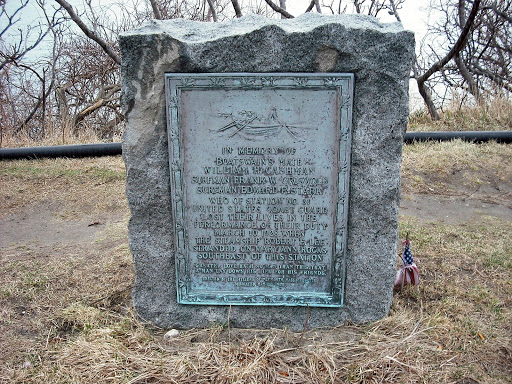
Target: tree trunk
[[236, 6], [282, 4], [156, 9], [317, 6], [66, 120], [466, 75], [427, 98], [212, 10], [439, 65]]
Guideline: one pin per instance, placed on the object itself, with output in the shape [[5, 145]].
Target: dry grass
[[70, 182], [66, 317], [397, 349], [53, 136], [458, 168], [497, 116]]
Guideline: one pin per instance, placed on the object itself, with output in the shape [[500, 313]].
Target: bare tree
[[440, 64], [88, 32], [102, 94], [79, 81], [488, 54], [26, 84], [25, 41], [88, 87], [478, 61]]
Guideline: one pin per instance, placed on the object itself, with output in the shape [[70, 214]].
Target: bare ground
[[66, 272]]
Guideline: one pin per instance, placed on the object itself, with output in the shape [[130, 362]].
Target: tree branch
[[498, 12], [279, 9], [457, 47], [90, 34], [310, 6], [156, 9], [40, 100], [236, 6], [18, 52], [464, 72], [11, 18], [497, 79], [104, 96], [212, 10], [395, 10]]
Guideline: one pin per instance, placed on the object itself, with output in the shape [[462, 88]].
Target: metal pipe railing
[[475, 136], [114, 149], [82, 150]]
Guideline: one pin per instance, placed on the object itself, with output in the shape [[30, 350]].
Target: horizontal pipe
[[114, 149], [82, 150], [476, 136]]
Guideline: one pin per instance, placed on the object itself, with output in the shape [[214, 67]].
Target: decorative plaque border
[[343, 84]]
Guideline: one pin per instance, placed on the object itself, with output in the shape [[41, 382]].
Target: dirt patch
[[46, 270], [453, 209], [38, 225], [456, 182]]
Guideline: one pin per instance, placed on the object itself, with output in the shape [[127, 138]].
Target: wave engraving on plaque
[[250, 125]]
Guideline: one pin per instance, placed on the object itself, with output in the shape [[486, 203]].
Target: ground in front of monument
[[66, 276]]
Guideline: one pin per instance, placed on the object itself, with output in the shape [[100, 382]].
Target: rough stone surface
[[380, 57]]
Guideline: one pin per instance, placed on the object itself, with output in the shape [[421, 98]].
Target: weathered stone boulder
[[379, 55]]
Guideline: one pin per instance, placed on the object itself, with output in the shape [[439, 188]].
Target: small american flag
[[407, 255], [409, 273]]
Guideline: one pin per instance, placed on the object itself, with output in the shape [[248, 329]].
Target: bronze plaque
[[259, 167]]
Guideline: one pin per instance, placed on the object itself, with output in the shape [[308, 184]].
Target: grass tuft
[[496, 116], [458, 168]]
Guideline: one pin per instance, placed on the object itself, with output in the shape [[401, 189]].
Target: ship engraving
[[250, 125]]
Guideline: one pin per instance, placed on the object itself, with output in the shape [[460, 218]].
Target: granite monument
[[263, 168]]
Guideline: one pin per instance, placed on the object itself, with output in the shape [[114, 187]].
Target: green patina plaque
[[259, 167]]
